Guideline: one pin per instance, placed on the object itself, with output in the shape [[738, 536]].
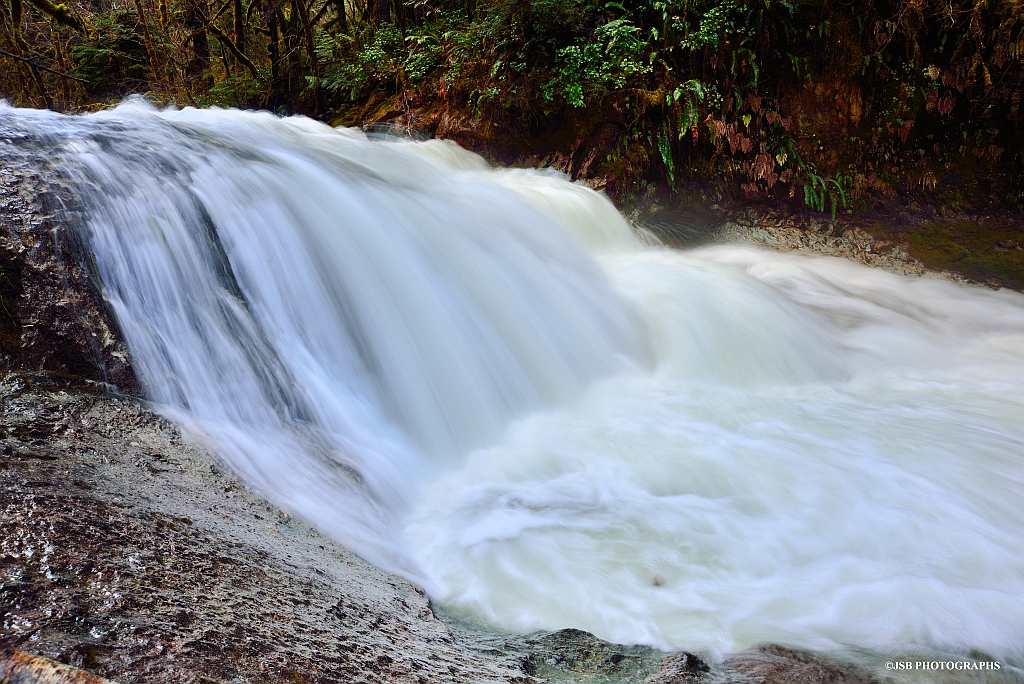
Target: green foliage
[[690, 94], [719, 21], [424, 55], [115, 60], [665, 150], [235, 90], [588, 69], [819, 191], [352, 71], [834, 105]]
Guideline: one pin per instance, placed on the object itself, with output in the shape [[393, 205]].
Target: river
[[487, 381]]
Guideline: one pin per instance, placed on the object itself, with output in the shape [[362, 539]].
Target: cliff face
[[52, 315]]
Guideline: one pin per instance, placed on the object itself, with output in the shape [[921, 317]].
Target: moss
[[988, 252]]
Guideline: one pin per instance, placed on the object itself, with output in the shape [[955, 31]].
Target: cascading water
[[481, 379]]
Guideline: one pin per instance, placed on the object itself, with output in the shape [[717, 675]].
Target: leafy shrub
[[588, 69], [115, 61]]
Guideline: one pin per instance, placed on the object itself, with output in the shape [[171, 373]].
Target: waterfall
[[482, 379]]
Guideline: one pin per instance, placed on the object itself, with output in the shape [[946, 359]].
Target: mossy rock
[[987, 252]]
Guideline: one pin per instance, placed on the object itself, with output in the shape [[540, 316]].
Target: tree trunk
[[154, 62], [239, 26], [339, 7], [380, 12], [19, 39], [62, 64], [292, 51], [314, 67], [22, 47], [195, 21], [272, 50], [398, 7]]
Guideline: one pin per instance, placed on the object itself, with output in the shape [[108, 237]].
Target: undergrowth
[[836, 107]]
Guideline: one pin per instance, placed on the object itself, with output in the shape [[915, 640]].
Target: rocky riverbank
[[971, 249], [131, 552], [823, 237]]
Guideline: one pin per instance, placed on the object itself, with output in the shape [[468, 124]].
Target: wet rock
[[572, 655], [823, 237], [52, 315], [679, 668], [965, 249], [18, 667], [127, 551], [778, 665]]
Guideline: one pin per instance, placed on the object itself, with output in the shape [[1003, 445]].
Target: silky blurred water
[[483, 380]]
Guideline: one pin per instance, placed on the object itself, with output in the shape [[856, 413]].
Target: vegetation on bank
[[818, 103]]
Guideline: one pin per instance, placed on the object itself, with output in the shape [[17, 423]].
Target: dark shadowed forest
[[831, 106]]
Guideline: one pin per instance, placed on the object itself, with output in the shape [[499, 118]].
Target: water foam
[[867, 499]]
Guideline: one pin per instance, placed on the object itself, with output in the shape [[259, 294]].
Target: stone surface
[[129, 552], [52, 315], [833, 239], [18, 667], [778, 665]]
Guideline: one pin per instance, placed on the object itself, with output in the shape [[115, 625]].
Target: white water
[[481, 379]]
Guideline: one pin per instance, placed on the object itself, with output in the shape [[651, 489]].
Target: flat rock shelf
[[130, 552]]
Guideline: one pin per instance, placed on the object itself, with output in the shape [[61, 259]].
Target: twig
[[239, 55], [28, 60]]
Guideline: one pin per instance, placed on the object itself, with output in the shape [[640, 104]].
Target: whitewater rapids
[[482, 379]]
